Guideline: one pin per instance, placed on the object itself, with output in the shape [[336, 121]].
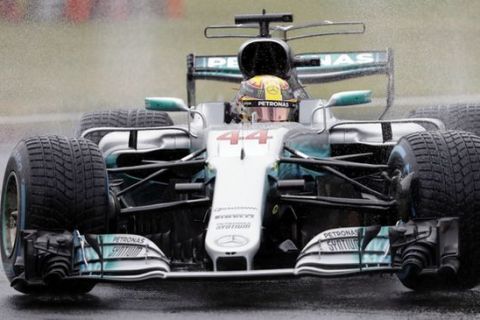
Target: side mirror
[[348, 98], [165, 104]]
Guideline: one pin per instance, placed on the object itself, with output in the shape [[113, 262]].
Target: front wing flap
[[117, 255], [346, 251]]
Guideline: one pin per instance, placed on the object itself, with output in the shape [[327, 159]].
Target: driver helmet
[[265, 99]]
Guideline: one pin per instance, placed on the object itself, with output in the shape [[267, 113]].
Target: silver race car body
[[211, 197]]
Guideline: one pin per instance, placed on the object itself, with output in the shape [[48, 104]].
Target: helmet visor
[[269, 111]]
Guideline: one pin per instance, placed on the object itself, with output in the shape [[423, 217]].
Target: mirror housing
[[348, 98], [165, 104]]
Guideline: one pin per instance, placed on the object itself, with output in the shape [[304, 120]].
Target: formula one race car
[[268, 184]]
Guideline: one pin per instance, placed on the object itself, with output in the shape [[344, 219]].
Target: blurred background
[[59, 58]]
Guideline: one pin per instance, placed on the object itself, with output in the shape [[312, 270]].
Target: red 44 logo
[[234, 136]]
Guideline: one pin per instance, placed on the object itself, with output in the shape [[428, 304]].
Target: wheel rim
[[10, 214]]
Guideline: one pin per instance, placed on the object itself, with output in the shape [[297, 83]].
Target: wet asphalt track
[[348, 298], [366, 297]]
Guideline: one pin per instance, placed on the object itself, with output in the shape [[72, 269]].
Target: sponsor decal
[[219, 62], [326, 59], [128, 239], [233, 208], [235, 216], [340, 233], [267, 103], [231, 241], [125, 251], [342, 245], [233, 225], [345, 59], [270, 103]]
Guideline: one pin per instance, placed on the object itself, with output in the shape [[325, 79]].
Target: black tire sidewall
[[18, 164], [403, 158], [29, 214]]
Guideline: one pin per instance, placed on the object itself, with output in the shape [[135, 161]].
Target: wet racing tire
[[137, 118], [446, 183], [455, 117], [51, 183]]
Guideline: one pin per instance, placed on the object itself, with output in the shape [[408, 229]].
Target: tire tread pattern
[[447, 183], [464, 117], [68, 185], [121, 118]]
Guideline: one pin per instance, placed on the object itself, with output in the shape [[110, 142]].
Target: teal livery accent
[[349, 98], [111, 160], [166, 104], [346, 250], [314, 151], [381, 244], [120, 253], [291, 171]]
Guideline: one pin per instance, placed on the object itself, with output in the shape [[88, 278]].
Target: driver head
[[265, 98]]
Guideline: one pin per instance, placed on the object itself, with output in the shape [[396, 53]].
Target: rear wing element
[[334, 66]]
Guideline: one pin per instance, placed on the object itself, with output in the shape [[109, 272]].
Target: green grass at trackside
[[55, 67]]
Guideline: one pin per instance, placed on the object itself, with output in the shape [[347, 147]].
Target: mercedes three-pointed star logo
[[231, 241]]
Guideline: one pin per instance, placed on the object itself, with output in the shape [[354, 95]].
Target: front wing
[[126, 257]]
